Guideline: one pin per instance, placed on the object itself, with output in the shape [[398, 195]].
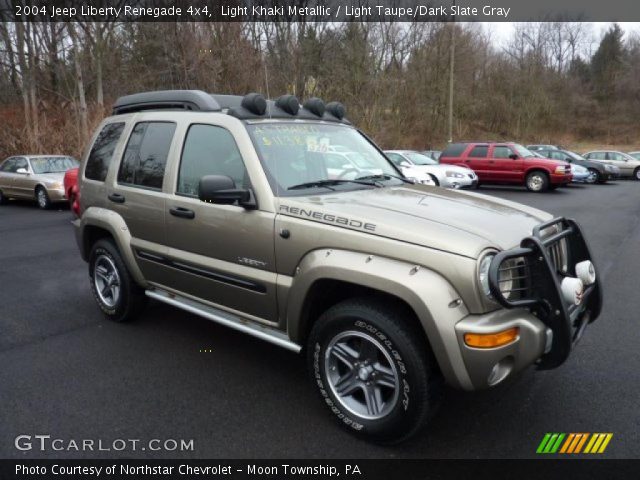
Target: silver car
[[628, 165], [35, 177], [450, 176]]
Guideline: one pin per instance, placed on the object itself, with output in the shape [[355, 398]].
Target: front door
[[223, 254], [506, 168], [620, 161], [23, 184]]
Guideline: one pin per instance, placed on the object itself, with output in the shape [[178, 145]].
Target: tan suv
[[222, 206]]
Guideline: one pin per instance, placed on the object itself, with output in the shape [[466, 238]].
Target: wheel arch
[[326, 277], [98, 223]]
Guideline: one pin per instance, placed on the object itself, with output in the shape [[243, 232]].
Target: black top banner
[[317, 10]]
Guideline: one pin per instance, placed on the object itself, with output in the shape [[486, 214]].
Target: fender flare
[[115, 225], [426, 292]]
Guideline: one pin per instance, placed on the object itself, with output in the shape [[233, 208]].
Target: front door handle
[[492, 161], [116, 197], [182, 212]]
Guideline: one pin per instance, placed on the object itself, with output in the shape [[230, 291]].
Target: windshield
[[295, 154], [52, 164], [574, 156], [523, 152], [419, 159]]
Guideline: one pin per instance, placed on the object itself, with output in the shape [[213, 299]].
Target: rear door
[[477, 159], [222, 254], [136, 194]]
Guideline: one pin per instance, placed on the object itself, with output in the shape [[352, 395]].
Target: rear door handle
[[116, 197], [182, 212]]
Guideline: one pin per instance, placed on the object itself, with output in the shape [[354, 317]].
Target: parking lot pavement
[[68, 373]]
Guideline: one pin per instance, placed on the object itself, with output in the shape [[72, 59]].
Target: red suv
[[508, 163]]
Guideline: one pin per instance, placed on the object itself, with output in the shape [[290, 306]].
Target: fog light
[[500, 371], [491, 340], [572, 289], [586, 272]]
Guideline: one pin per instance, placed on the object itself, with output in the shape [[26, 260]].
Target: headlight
[[56, 185], [451, 174], [562, 170], [483, 273]]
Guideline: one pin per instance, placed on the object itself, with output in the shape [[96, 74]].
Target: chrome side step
[[228, 319]]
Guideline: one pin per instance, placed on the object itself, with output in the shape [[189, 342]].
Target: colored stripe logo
[[574, 443]]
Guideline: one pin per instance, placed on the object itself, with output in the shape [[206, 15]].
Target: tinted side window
[[102, 152], [501, 152], [145, 157], [479, 152], [395, 158], [209, 150], [454, 150]]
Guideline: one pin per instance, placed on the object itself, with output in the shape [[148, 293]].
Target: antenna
[[266, 86]]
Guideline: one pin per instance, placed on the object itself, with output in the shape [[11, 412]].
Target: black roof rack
[[235, 105], [195, 100]]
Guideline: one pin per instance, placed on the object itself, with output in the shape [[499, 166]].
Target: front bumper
[[560, 179], [489, 366], [460, 182], [57, 194]]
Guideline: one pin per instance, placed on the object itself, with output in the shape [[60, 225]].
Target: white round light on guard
[[586, 272], [572, 289]]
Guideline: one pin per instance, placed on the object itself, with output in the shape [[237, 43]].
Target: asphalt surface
[[67, 372]]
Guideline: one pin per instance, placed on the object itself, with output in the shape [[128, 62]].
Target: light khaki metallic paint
[[441, 232]]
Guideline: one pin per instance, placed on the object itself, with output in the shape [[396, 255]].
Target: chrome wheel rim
[[42, 198], [107, 281], [361, 375], [535, 182]]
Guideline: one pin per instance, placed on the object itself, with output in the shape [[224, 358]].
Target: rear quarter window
[[454, 150], [101, 153]]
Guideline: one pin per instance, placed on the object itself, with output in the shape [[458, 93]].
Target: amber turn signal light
[[491, 340]]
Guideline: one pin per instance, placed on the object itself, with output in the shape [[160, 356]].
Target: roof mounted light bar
[[250, 107]]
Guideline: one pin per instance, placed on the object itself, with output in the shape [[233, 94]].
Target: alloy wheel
[[361, 375], [107, 281], [536, 182]]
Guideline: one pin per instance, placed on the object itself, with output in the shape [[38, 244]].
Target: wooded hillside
[[552, 82]]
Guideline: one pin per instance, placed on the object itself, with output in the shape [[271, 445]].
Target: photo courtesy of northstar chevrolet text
[[257, 238]]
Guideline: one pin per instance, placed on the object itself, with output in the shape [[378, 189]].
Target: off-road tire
[[131, 299], [418, 377], [42, 198], [537, 181]]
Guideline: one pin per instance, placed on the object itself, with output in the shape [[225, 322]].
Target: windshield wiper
[[328, 183], [385, 176]]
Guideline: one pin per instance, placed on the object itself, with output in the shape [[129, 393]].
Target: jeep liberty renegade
[[222, 206]]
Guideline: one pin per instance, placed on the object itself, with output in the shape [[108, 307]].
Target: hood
[[463, 223], [546, 161]]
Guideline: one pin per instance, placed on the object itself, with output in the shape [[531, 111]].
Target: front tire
[[373, 370], [594, 176], [115, 292], [537, 181], [636, 174], [42, 197]]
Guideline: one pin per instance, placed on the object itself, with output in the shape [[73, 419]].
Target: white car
[[449, 176], [350, 165]]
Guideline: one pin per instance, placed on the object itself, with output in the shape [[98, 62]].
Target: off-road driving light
[[572, 289], [491, 340], [586, 272]]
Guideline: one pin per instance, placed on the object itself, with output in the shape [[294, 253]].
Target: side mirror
[[222, 190], [513, 156], [404, 163], [22, 171], [568, 159]]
